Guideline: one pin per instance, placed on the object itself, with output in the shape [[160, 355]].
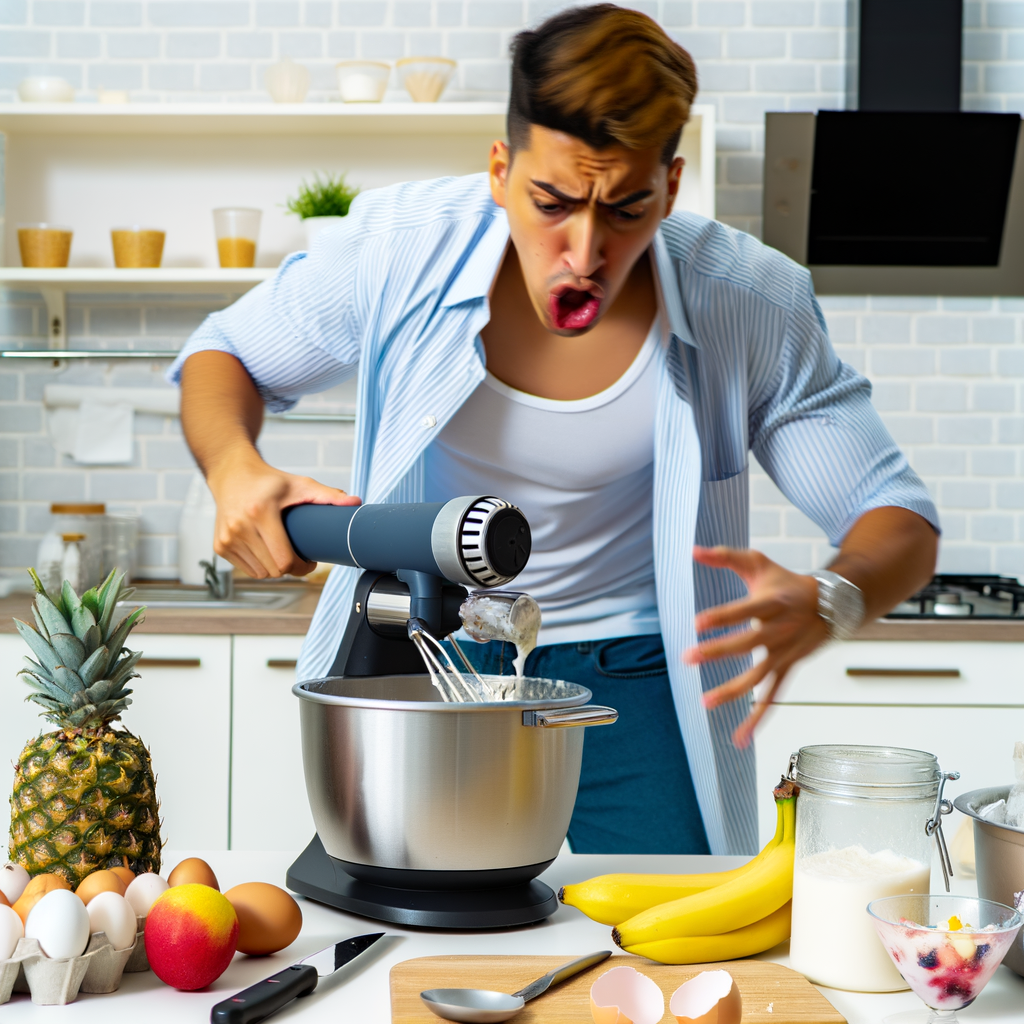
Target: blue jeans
[[636, 794]]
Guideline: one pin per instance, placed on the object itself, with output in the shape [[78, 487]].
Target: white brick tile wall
[[948, 374]]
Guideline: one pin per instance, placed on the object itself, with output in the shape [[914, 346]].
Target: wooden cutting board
[[772, 994]]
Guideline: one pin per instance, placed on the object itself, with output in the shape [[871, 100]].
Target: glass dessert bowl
[[945, 947]]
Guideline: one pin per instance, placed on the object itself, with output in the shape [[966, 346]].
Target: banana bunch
[[692, 919]]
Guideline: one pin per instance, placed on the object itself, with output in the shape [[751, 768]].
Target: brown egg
[[36, 889], [99, 881], [4, 901], [268, 918], [126, 875], [193, 871]]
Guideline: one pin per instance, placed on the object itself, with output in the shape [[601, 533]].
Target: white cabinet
[[963, 702], [269, 809], [182, 711]]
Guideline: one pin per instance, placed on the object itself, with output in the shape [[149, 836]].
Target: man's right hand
[[250, 533], [221, 415]]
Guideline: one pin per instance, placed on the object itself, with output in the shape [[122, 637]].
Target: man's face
[[580, 218]]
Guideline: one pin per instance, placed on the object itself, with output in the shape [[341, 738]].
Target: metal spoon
[[479, 1006]]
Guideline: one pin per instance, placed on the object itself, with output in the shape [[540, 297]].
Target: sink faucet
[[219, 582]]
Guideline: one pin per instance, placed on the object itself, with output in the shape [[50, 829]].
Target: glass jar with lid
[[86, 518], [864, 821]]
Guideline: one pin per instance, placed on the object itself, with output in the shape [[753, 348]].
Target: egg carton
[[138, 961], [56, 982]]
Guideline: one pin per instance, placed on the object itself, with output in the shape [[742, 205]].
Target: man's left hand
[[781, 608]]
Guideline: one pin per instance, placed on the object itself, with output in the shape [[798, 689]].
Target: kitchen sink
[[194, 597]]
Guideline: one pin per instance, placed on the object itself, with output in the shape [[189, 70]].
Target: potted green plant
[[323, 203]]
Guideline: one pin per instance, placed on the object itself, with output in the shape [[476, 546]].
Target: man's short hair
[[605, 75]]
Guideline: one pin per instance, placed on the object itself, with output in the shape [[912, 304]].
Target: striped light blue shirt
[[398, 294]]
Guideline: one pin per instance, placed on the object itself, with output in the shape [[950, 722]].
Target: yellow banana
[[703, 949], [754, 895], [612, 899]]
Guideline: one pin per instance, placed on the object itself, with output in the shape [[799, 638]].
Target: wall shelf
[[252, 118], [56, 283]]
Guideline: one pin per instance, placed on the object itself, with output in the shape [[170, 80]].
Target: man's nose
[[585, 242]]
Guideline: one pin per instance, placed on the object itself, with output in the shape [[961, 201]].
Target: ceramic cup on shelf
[[137, 247], [45, 89], [237, 230], [425, 78], [362, 81], [44, 245], [287, 82]]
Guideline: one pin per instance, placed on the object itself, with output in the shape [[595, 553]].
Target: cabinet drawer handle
[[905, 673], [282, 663], [168, 663]]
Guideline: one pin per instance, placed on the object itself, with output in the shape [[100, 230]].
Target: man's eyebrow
[[557, 193], [633, 197]]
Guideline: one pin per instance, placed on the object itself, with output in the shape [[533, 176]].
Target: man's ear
[[498, 166], [675, 173]]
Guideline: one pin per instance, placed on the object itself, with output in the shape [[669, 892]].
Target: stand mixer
[[384, 759]]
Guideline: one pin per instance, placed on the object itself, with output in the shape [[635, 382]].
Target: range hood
[[906, 194]]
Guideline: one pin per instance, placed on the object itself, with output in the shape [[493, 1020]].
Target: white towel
[[104, 434]]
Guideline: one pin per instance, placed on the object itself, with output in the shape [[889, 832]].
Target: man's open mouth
[[572, 309]]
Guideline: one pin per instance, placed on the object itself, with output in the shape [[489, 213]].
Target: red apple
[[191, 934]]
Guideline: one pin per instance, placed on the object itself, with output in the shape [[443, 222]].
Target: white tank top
[[583, 473]]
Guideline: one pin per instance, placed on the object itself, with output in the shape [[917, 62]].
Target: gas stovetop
[[963, 597]]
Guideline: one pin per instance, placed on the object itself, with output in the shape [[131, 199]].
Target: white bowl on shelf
[[425, 78], [46, 89], [362, 81]]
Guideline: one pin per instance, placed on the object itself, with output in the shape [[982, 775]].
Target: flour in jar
[[834, 942]]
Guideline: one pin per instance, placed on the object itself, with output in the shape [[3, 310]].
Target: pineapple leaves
[[67, 680], [49, 689], [40, 648], [94, 667], [122, 671], [124, 627], [80, 678], [70, 650], [110, 593], [51, 616], [43, 631]]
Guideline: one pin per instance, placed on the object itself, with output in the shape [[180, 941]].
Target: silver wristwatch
[[840, 604]]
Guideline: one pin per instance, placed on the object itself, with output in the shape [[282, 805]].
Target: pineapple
[[84, 796]]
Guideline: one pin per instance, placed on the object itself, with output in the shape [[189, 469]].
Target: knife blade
[[259, 1001]]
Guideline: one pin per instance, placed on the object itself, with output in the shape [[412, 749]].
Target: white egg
[[111, 913], [10, 931], [144, 891], [61, 924], [13, 879]]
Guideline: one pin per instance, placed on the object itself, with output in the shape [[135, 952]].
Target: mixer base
[[320, 877]]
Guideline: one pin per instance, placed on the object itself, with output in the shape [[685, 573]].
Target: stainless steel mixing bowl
[[999, 856], [399, 780]]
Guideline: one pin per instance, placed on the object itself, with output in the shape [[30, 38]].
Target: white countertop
[[361, 994]]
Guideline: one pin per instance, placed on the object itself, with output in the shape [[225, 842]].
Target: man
[[550, 334]]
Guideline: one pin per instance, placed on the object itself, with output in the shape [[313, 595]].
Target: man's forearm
[[221, 410], [890, 554]]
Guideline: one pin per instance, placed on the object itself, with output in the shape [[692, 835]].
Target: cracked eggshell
[[625, 996], [710, 998]]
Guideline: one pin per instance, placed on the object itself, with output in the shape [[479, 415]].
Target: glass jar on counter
[[86, 518], [120, 543], [864, 821]]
